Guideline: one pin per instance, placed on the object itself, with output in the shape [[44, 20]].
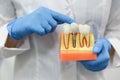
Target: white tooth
[[74, 27], [81, 28], [67, 28], [84, 29], [87, 28]]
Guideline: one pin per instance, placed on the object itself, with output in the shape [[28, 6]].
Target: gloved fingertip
[[96, 50], [70, 21], [42, 32]]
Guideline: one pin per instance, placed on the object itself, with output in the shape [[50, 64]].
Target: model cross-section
[[76, 43]]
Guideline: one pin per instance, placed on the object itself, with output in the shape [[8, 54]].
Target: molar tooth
[[84, 29], [67, 28], [80, 28], [87, 28]]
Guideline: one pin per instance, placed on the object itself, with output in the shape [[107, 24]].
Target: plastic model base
[[82, 50]]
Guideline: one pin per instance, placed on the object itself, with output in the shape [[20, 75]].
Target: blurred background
[[112, 74]]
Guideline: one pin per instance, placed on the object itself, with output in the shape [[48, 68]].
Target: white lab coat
[[38, 57]]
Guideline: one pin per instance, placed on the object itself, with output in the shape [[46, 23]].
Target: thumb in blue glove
[[41, 21], [102, 48]]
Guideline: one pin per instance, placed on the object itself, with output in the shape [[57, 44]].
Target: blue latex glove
[[41, 21], [102, 48]]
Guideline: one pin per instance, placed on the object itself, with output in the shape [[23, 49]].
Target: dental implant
[[74, 28]]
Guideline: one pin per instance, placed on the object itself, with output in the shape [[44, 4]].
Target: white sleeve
[[113, 31], [116, 45], [7, 13], [9, 52]]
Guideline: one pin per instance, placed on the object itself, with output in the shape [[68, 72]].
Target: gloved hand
[[102, 48], [41, 21]]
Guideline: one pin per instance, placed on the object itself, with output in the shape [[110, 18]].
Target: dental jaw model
[[76, 43]]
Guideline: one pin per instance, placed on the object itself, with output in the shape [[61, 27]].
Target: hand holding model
[[41, 21], [102, 48]]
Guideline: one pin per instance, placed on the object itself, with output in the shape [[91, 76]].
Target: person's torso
[[42, 61]]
